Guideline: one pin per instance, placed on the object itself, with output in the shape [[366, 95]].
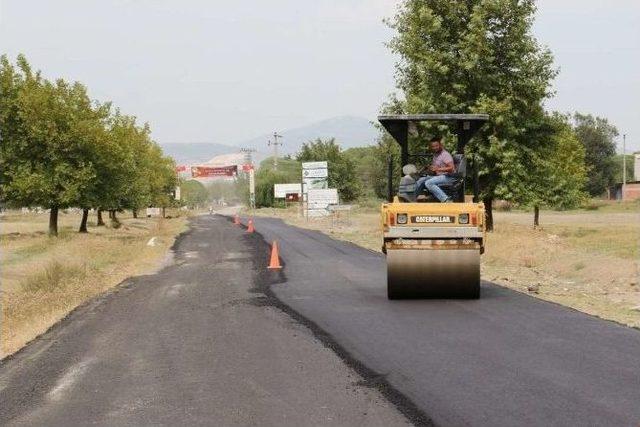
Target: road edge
[[264, 279]]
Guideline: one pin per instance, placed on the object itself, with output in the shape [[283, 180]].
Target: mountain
[[349, 131], [189, 153]]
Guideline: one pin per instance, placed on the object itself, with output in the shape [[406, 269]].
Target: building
[[631, 188], [631, 191]]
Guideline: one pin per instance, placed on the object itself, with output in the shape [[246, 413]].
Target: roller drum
[[433, 273]]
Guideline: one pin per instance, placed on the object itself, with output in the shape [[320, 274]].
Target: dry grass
[[585, 259], [44, 278]]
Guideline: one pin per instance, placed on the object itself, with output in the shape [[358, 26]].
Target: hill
[[349, 131], [195, 152]]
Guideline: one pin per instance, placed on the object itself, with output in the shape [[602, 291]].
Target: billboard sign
[[314, 175], [280, 191], [213, 171]]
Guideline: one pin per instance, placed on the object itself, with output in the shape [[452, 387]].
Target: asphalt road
[[195, 344], [504, 360]]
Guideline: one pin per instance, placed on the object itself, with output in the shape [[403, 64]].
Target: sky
[[226, 71]]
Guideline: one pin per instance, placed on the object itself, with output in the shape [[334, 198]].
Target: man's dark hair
[[435, 139]]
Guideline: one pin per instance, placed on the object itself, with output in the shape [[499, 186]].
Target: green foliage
[[288, 171], [265, 179], [371, 164], [194, 194], [61, 149], [342, 170], [552, 176], [598, 138], [290, 167], [45, 137]]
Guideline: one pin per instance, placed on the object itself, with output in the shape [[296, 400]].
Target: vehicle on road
[[433, 249]]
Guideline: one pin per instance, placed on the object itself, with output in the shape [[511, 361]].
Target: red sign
[[181, 168], [213, 171], [247, 167]]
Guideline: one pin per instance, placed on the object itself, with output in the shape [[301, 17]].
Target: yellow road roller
[[433, 249]]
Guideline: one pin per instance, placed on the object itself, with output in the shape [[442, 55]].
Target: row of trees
[[61, 149]]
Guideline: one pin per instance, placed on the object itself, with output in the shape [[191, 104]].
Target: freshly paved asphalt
[[195, 344], [504, 360]]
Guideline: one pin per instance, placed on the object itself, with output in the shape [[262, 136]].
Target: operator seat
[[406, 189]]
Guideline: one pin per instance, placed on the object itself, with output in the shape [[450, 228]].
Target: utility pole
[[624, 163], [275, 144], [248, 161]]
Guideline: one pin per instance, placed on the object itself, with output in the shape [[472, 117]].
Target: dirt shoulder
[[587, 260], [44, 278]]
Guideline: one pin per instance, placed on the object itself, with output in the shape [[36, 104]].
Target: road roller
[[433, 249]]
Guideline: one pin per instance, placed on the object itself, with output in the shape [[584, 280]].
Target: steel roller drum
[[433, 273]]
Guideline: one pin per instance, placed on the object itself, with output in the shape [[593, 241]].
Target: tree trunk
[[164, 211], [110, 213], [536, 216], [100, 222], [488, 207], [114, 218], [53, 222], [83, 223], [135, 213]]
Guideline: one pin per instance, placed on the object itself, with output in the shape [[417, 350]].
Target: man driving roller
[[439, 169]]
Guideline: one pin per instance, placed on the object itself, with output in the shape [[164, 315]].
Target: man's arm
[[447, 168]]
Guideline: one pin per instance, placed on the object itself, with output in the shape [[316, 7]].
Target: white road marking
[[69, 378]]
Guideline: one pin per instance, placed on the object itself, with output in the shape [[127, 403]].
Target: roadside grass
[[42, 278], [587, 259]]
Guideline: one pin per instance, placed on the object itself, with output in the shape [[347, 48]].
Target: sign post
[[314, 176], [252, 188]]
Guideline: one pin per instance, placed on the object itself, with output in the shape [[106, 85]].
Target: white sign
[[328, 196], [280, 191], [178, 193], [153, 212], [315, 165], [315, 173]]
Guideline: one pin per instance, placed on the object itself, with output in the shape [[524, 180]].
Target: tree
[[44, 152], [193, 194], [61, 149], [476, 56], [342, 170], [289, 171], [553, 176], [597, 136]]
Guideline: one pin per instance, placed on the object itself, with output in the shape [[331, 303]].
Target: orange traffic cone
[[236, 220], [250, 228], [274, 263]]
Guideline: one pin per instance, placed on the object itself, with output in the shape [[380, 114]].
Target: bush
[[54, 275], [594, 204]]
